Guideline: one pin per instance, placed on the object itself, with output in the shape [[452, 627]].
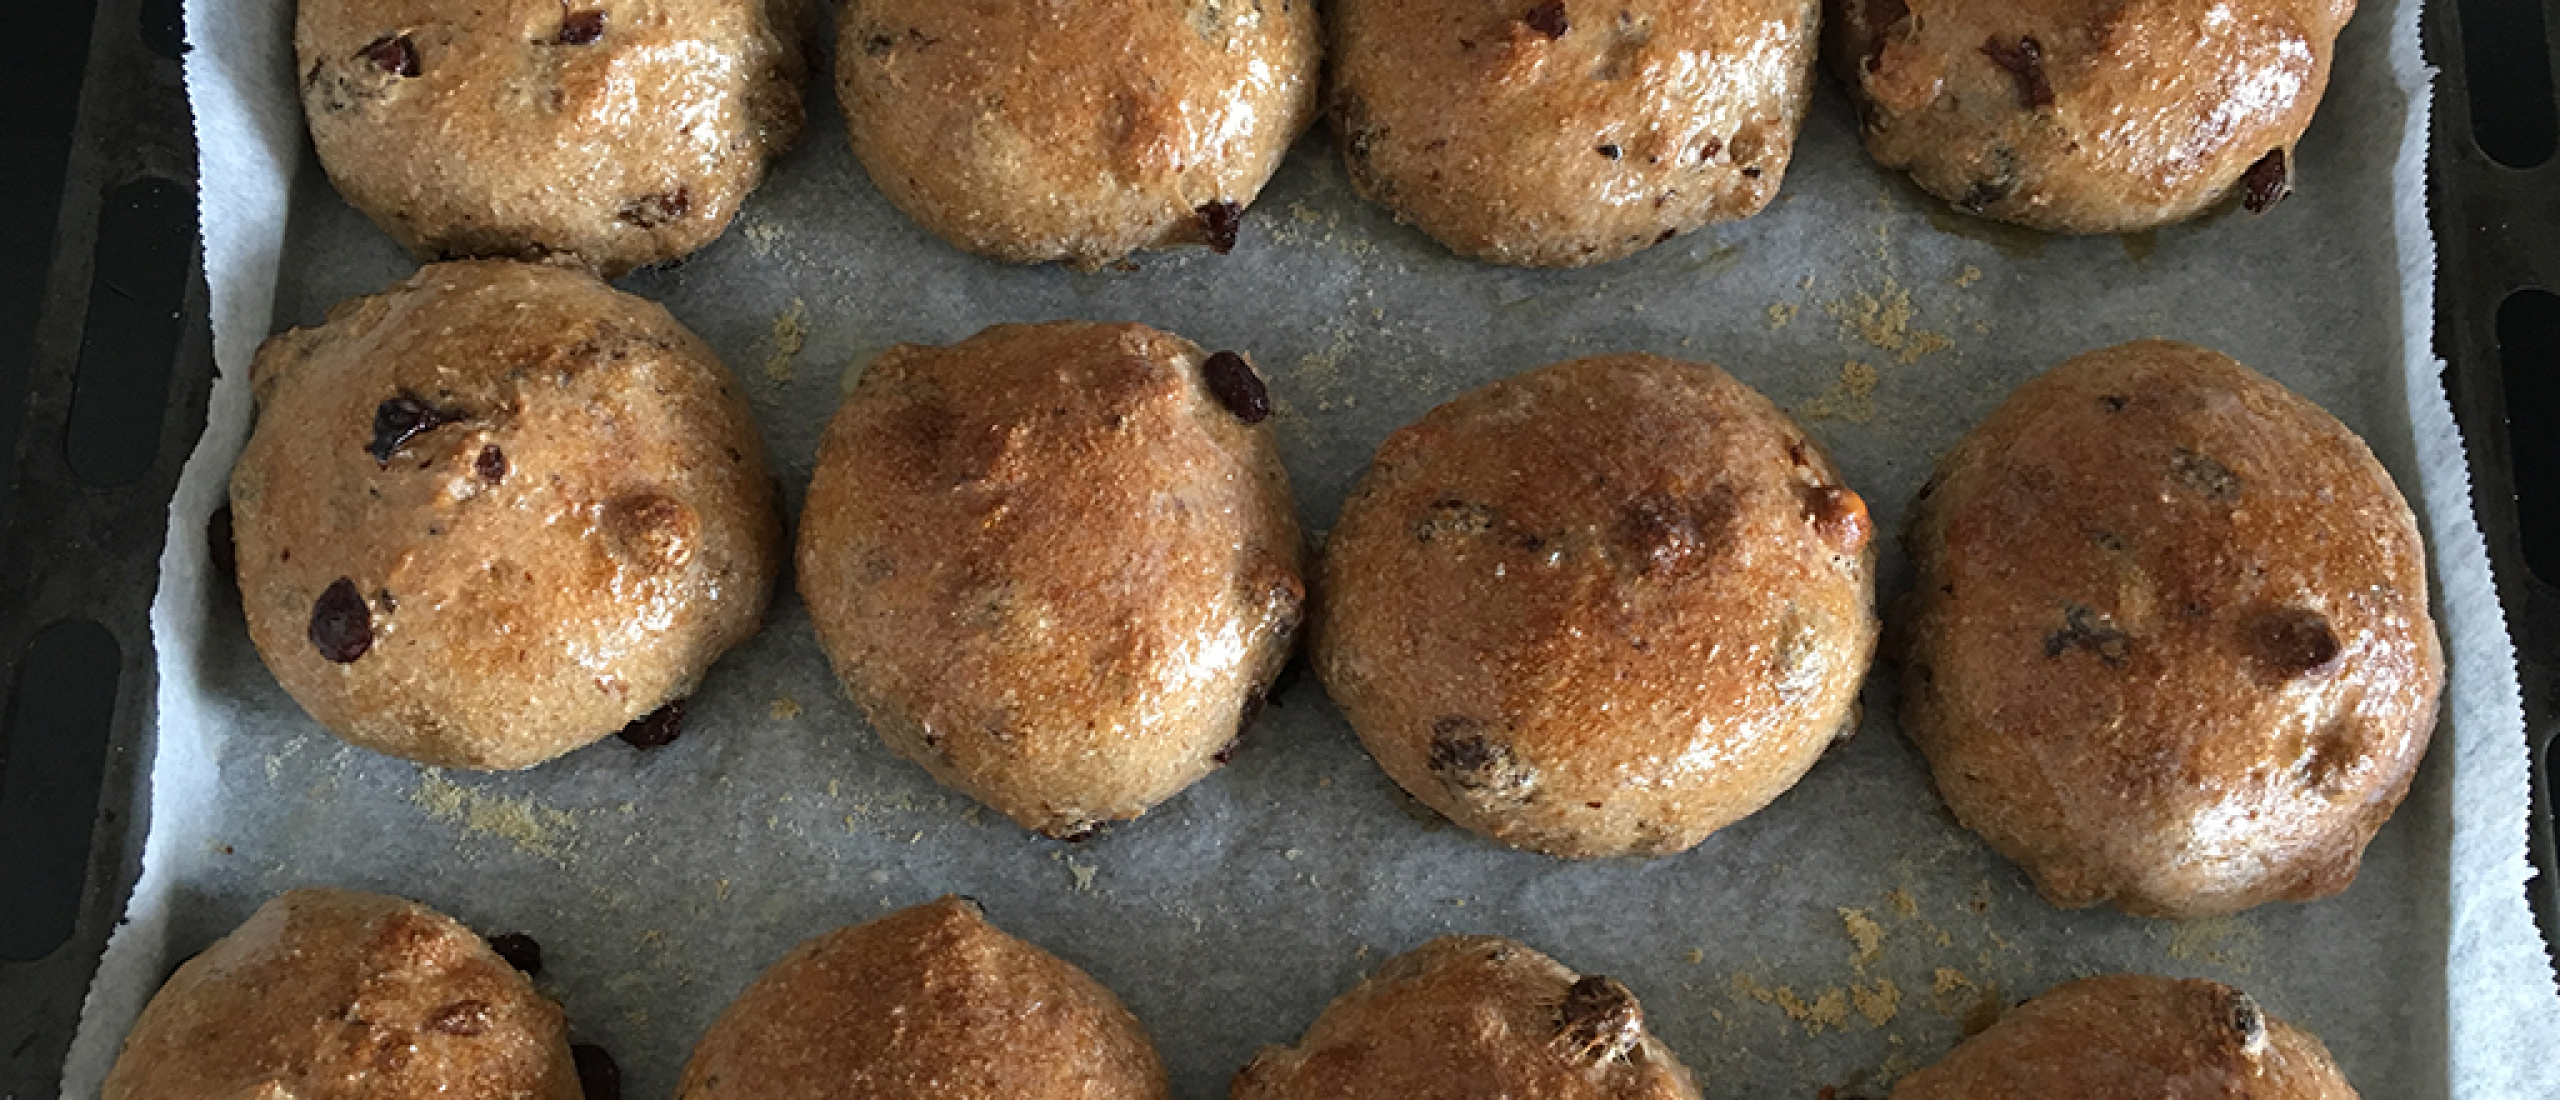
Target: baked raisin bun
[[1602, 608], [497, 512], [1558, 133], [2168, 645], [340, 995], [620, 132], [2134, 1037], [1076, 130], [927, 1001], [2088, 116], [1473, 1016], [1057, 565]]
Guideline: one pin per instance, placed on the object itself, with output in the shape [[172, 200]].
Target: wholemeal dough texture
[[1606, 607], [1076, 130], [339, 995], [1473, 1016], [926, 1001], [2088, 116], [1558, 133], [622, 132], [2168, 645], [497, 512], [1057, 565], [2134, 1037]]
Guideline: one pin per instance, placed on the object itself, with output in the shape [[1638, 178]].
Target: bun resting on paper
[[1602, 608], [927, 1001], [339, 995], [2134, 1037], [497, 512], [2168, 645], [1057, 565]]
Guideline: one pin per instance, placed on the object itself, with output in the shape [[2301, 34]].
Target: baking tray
[[117, 327]]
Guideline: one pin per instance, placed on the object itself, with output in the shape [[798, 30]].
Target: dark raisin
[[657, 729], [464, 1018], [491, 465], [401, 419], [2113, 403], [392, 53], [1599, 1020], [221, 544], [341, 624], [1611, 152], [1548, 19], [652, 211], [1469, 763], [2295, 642], [1237, 387], [2202, 474], [2083, 628], [1449, 517], [598, 1077], [2025, 61], [521, 951], [1712, 146], [878, 45], [1751, 172], [1878, 17], [2247, 1021], [1665, 235], [579, 28], [1840, 517], [2265, 183], [1218, 224]]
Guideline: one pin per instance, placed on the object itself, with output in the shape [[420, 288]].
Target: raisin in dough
[[1076, 130], [1603, 608], [497, 512], [2168, 645], [340, 995], [2134, 1037], [1057, 565], [1473, 1016], [926, 1001], [2088, 116], [1558, 133], [623, 132]]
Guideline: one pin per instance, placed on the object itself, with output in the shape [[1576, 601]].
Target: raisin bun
[[2168, 645], [927, 1001], [1057, 565], [1076, 130], [1473, 1016], [1558, 133], [497, 512], [2077, 116], [339, 995], [1603, 608], [2134, 1037], [621, 132]]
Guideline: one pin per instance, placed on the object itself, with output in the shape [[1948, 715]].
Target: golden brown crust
[[583, 527], [927, 1001], [339, 995], [1052, 566], [1565, 132], [2134, 1037], [1473, 1016], [1602, 608], [2169, 639], [1075, 130], [2086, 116], [624, 132]]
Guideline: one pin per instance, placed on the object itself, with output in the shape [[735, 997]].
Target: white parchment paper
[[1840, 938]]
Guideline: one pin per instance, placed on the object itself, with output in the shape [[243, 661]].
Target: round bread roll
[[1473, 1016], [2134, 1037], [1603, 608], [926, 1001], [1057, 565], [2086, 117], [497, 512], [622, 132], [1076, 130], [2168, 645], [340, 995], [1558, 133]]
